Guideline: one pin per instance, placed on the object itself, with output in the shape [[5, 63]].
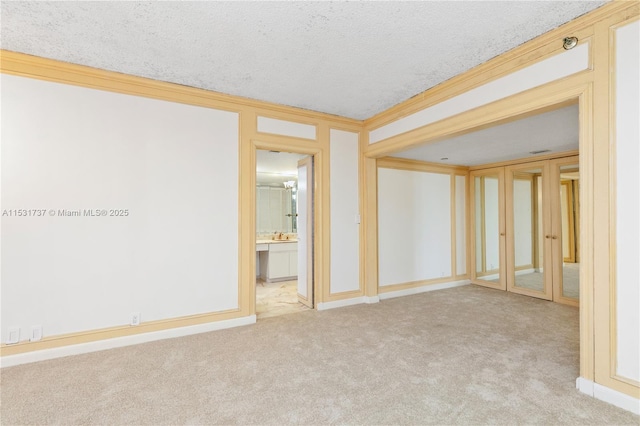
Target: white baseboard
[[347, 302], [609, 395], [342, 303], [423, 289], [117, 342]]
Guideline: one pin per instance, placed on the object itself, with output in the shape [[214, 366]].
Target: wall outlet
[[13, 335], [36, 333], [135, 318]]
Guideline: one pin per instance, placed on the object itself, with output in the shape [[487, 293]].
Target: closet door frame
[[499, 171], [548, 240], [556, 228]]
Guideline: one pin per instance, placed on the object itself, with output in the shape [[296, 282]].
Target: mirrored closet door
[[525, 229], [566, 227], [487, 227], [529, 243]]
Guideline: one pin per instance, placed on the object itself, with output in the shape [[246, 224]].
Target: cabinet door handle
[[502, 234], [554, 237], [548, 236]]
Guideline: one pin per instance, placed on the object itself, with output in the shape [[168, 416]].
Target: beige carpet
[[468, 355]]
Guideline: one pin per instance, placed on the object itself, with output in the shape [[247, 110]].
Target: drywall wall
[[627, 135], [286, 128], [166, 175], [345, 211], [414, 226]]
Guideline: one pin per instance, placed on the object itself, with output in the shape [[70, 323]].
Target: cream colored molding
[[119, 332], [23, 65], [556, 67], [82, 347], [534, 101], [533, 51], [420, 166], [341, 303], [608, 395], [422, 287], [278, 126], [614, 381], [552, 156]]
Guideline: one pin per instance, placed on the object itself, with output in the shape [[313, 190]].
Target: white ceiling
[[352, 59], [556, 131]]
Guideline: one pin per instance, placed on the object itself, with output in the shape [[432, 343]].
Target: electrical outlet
[[135, 318], [13, 335], [36, 333]]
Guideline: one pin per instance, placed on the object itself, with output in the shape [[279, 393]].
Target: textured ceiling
[[556, 131], [352, 59]]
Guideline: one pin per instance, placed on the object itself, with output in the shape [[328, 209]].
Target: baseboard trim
[[346, 302], [117, 342], [608, 395], [423, 289], [371, 299]]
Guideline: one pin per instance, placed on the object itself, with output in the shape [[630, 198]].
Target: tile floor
[[280, 298]]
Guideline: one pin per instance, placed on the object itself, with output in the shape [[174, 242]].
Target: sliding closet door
[[565, 202], [530, 240], [487, 228]]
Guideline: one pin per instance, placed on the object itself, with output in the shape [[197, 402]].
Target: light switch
[[358, 219]]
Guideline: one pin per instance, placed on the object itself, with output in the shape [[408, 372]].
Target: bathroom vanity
[[277, 260]]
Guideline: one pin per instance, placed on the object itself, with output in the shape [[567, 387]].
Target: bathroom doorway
[[284, 233]]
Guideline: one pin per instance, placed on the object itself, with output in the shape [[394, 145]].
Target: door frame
[[308, 300], [547, 209], [248, 296], [471, 243], [554, 166]]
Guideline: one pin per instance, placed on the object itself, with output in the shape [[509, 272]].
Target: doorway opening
[[524, 201], [284, 233]]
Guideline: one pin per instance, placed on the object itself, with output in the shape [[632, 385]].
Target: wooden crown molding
[[24, 65]]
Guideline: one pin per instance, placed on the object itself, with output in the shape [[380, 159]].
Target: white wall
[[173, 167], [286, 128], [414, 226], [345, 211], [627, 94]]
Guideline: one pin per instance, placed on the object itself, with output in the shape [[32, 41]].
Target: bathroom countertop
[[275, 241]]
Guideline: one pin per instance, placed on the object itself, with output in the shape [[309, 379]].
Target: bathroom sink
[[276, 241]]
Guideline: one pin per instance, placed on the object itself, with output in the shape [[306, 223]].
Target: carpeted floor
[[467, 355]]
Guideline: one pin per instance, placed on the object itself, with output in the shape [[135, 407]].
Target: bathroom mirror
[[276, 192], [276, 203]]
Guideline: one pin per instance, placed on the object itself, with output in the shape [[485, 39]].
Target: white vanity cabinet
[[279, 262]]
